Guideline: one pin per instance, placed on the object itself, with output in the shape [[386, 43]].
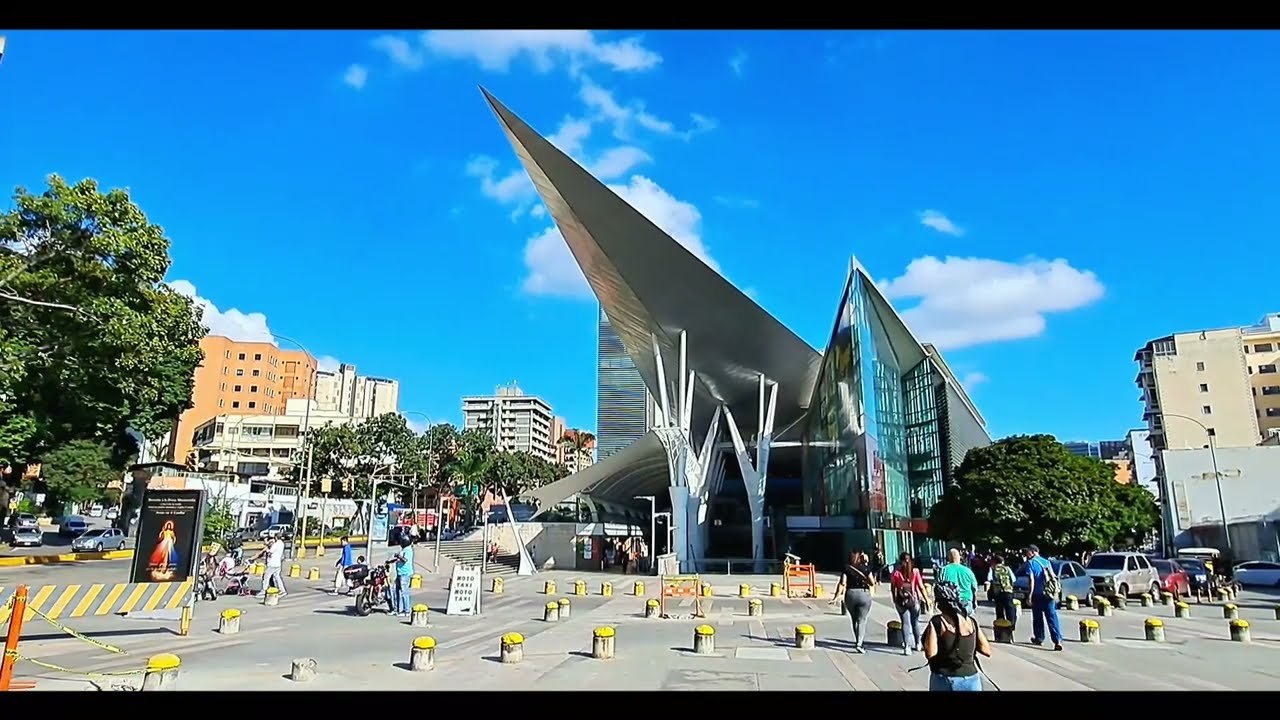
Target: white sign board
[[464, 591]]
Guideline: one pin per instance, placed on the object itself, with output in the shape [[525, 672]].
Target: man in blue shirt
[[344, 561], [404, 570], [1043, 607]]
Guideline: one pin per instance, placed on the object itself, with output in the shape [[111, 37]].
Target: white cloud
[[740, 203], [552, 269], [973, 380], [941, 223], [738, 63], [970, 301], [514, 187], [233, 323], [356, 76], [328, 363], [400, 51], [624, 117], [571, 135], [416, 424], [496, 50], [618, 161]]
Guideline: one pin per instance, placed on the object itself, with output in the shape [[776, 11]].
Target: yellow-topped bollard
[[1017, 606], [511, 649], [580, 588], [705, 590], [422, 654], [257, 569], [606, 589], [775, 590], [229, 622], [564, 608], [1104, 607], [704, 640], [1239, 630], [1072, 603], [652, 609], [161, 672], [295, 570], [415, 581], [805, 637], [320, 549], [551, 613], [1154, 628], [420, 616], [271, 597], [1167, 598], [893, 634], [1230, 611], [637, 588], [744, 591], [755, 607], [498, 586], [313, 574], [602, 643], [1002, 631], [1147, 600], [1090, 631], [1182, 610], [549, 587], [819, 592]]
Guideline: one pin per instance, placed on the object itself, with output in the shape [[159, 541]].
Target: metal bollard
[[755, 608], [652, 609], [805, 637], [162, 672], [1230, 611], [1003, 631], [602, 643], [1154, 628], [415, 581], [1239, 630], [775, 590], [704, 640], [1073, 602], [421, 616], [303, 670], [744, 591], [511, 651], [1146, 600], [271, 597], [637, 589], [313, 574], [295, 570], [1182, 610], [497, 587], [552, 612], [1090, 631], [564, 608], [549, 587], [229, 622], [422, 655], [893, 633], [579, 588], [606, 589], [1104, 607]]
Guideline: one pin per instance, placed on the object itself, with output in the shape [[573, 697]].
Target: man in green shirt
[[960, 576]]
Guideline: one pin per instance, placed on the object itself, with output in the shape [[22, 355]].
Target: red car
[[1173, 578]]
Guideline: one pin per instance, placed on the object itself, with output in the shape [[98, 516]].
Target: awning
[[639, 469]]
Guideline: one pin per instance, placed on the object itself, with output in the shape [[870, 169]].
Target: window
[[224, 369], [1206, 410], [1262, 347], [252, 405], [239, 372], [1199, 367], [1267, 369], [1271, 389], [237, 388], [226, 354], [235, 404], [1273, 412], [222, 403], [253, 388], [1204, 387], [257, 357], [256, 372], [222, 386], [241, 357]]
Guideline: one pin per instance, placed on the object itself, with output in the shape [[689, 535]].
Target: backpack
[[1052, 586], [905, 594], [1002, 578]]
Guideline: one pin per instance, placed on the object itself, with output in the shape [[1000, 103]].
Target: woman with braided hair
[[952, 643]]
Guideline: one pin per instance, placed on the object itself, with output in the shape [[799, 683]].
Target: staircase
[[471, 552]]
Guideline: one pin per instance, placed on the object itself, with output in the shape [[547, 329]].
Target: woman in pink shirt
[[908, 599]]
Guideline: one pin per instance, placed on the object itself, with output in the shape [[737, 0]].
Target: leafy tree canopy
[[78, 472], [1028, 489], [91, 339]]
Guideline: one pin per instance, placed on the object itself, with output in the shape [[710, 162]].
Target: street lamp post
[[653, 529], [1217, 477], [430, 478], [299, 508]]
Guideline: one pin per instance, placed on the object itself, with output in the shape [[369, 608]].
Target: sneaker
[[1057, 647], [1037, 642], [907, 650]]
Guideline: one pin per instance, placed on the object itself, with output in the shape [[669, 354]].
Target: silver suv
[[1122, 574]]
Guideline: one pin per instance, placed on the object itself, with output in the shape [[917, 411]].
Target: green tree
[[219, 521], [91, 339], [577, 443], [78, 472]]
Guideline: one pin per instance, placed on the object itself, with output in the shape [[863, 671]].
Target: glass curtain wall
[[830, 478]]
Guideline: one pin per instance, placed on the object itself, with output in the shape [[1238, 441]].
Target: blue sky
[[1039, 203]]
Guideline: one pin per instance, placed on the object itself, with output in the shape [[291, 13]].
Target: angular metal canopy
[[638, 469]]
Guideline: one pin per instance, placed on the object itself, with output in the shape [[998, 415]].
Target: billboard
[[170, 528]]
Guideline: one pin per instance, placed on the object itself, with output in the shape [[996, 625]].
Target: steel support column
[[754, 476]]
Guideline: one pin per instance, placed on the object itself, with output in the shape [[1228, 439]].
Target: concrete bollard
[[1154, 628], [637, 589], [805, 637], [564, 608], [549, 587], [313, 574], [1119, 602], [606, 589], [415, 581], [707, 591], [893, 633], [704, 640], [1090, 631], [295, 570], [1167, 598], [162, 672], [552, 612], [744, 591], [271, 597], [1146, 600], [775, 590], [1277, 611], [511, 651], [1104, 607], [421, 616], [1002, 630], [301, 553], [755, 608], [1230, 612], [303, 670], [1017, 607], [1182, 610], [652, 609], [1239, 630], [579, 588], [229, 622], [818, 592], [257, 569], [497, 587], [320, 549], [602, 643], [1073, 602], [422, 655], [1224, 594]]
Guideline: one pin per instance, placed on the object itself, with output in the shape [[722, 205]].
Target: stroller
[[236, 582]]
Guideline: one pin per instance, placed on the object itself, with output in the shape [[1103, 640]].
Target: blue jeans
[[1042, 607], [403, 604], [946, 683], [910, 619]]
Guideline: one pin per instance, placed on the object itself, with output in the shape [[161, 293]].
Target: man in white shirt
[[275, 559]]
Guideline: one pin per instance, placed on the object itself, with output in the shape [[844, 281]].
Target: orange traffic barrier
[[11, 642], [799, 580], [681, 586]]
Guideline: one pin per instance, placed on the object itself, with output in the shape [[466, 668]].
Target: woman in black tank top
[[952, 643]]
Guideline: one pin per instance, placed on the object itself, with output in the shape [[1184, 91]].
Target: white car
[[1258, 572], [98, 540]]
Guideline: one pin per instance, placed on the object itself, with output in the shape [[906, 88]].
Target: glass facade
[[622, 401]]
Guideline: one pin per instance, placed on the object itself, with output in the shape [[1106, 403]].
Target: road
[[752, 653], [55, 544]]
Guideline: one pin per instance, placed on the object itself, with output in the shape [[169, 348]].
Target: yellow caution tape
[[78, 635], [70, 671]]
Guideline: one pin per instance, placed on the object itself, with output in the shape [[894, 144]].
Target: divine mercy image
[[165, 559]]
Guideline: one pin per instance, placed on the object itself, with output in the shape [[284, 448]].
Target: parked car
[[1122, 574], [1197, 573], [98, 540], [1173, 577], [72, 526], [23, 520], [1073, 578], [1258, 572], [281, 530], [26, 537]]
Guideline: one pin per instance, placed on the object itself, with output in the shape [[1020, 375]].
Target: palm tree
[[471, 469], [577, 445]]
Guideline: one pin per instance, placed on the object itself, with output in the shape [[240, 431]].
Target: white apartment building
[[259, 445], [516, 422], [355, 395]]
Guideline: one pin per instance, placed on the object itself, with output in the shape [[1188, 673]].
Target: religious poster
[[170, 527]]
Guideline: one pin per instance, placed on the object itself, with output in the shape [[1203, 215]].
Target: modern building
[[625, 410], [1138, 448], [1104, 450], [356, 395], [761, 443], [243, 378], [517, 422], [258, 445]]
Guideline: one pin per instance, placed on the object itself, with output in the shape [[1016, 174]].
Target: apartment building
[[359, 396], [245, 378], [565, 455], [1141, 461], [517, 422], [256, 444], [1104, 450]]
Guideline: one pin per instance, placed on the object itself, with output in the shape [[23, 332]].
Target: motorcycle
[[371, 585]]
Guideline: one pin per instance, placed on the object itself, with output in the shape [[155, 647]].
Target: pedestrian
[[345, 561], [1043, 591], [274, 553], [956, 573], [952, 643], [1002, 591], [855, 587], [404, 571], [908, 596]]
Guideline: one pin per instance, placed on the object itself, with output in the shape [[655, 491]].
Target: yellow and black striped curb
[[75, 601], [23, 560]]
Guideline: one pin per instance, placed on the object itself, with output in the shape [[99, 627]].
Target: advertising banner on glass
[[875, 474], [170, 528]]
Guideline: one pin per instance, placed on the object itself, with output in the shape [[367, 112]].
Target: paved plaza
[[751, 653]]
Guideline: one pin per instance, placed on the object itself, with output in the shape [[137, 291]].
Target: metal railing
[[738, 566]]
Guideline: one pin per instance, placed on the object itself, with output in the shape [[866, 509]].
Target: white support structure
[[755, 476]]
